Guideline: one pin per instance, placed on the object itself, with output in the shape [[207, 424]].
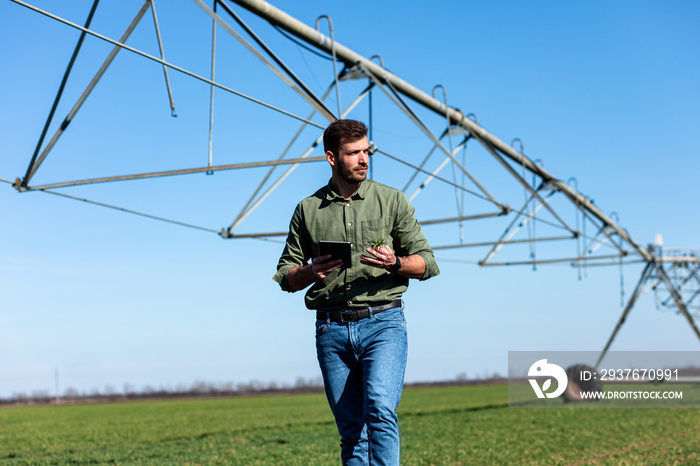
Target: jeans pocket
[[391, 314], [321, 326]]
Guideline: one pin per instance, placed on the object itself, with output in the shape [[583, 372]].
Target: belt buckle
[[342, 316]]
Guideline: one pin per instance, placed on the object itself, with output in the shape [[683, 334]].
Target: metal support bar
[[516, 241], [617, 263], [291, 79], [595, 246], [608, 237], [186, 171], [439, 168], [396, 98], [422, 164], [87, 92], [579, 240], [224, 234], [447, 119], [646, 273], [596, 243], [509, 232], [335, 60], [211, 89], [446, 181], [128, 211], [674, 259], [162, 57], [460, 207], [548, 261], [465, 217], [62, 86], [492, 150], [461, 195]]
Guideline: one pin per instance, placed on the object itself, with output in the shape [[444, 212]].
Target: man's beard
[[349, 175]]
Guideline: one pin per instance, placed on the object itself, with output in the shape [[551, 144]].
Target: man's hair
[[350, 130]]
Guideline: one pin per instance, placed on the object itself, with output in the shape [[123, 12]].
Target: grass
[[440, 426]]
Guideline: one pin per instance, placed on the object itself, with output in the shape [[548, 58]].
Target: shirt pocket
[[376, 229], [373, 230]]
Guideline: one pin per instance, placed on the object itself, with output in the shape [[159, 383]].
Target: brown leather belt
[[357, 314]]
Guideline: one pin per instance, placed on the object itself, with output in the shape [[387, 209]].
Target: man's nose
[[364, 158]]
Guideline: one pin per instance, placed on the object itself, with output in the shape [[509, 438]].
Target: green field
[[440, 426]]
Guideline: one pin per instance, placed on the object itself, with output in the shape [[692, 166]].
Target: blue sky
[[606, 92]]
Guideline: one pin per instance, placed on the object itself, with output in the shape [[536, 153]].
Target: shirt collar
[[360, 194]]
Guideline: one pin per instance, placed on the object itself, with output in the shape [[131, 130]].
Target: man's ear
[[330, 156]]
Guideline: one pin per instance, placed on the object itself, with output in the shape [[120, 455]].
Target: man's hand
[[304, 275], [323, 265], [382, 257]]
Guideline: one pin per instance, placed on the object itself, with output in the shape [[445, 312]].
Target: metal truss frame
[[659, 273], [538, 194]]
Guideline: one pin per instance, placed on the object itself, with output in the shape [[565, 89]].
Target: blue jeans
[[363, 365]]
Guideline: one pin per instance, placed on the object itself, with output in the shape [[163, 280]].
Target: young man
[[360, 327]]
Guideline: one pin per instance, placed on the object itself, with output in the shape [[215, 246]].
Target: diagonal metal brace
[[35, 166], [30, 168], [490, 148]]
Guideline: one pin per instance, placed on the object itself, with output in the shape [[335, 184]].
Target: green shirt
[[374, 211]]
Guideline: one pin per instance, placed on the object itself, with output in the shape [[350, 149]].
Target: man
[[360, 327]]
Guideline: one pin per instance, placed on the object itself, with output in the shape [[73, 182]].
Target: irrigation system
[[544, 203]]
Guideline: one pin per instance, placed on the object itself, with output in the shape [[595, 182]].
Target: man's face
[[352, 160]]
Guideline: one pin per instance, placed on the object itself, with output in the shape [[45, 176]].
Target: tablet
[[337, 250]]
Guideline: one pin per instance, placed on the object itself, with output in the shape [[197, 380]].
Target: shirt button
[[349, 223]]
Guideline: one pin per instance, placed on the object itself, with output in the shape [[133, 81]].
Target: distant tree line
[[196, 389], [206, 389], [253, 387]]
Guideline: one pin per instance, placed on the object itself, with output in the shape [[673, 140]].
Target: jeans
[[363, 365]]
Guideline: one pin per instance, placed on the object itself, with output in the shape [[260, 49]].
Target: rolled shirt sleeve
[[297, 251], [409, 238]]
